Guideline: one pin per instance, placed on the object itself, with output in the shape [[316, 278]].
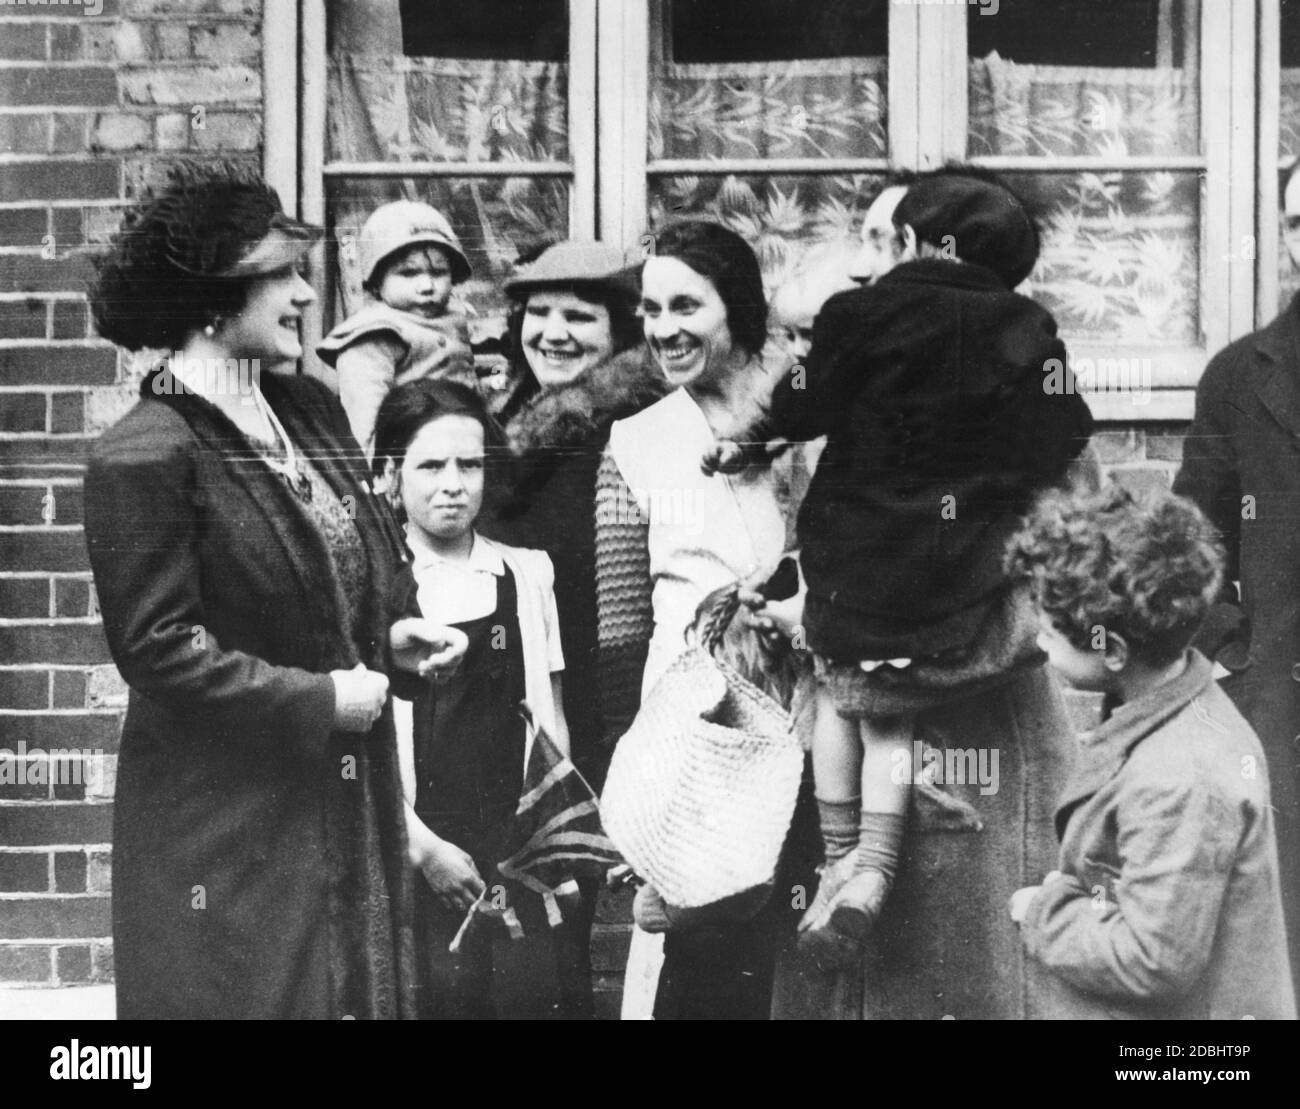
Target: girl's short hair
[[1146, 568], [718, 253], [157, 282], [410, 407]]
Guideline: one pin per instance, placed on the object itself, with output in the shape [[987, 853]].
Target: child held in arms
[[928, 385], [411, 262], [1166, 903]]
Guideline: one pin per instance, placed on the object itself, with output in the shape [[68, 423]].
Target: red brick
[[69, 135], [99, 874], [40, 549], [30, 273], [191, 85], [65, 43], [17, 783], [22, 319], [22, 226], [24, 599], [23, 505], [226, 42], [70, 644], [70, 877], [1165, 446], [69, 506], [71, 597], [24, 872], [23, 42], [59, 918], [93, 86], [35, 825], [73, 963], [22, 412], [69, 229], [62, 180], [1142, 479], [101, 962], [25, 134], [69, 689], [24, 689], [47, 731], [58, 365], [114, 131], [30, 505], [68, 412], [24, 963], [20, 504]]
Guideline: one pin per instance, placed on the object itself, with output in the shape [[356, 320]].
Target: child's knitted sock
[[839, 824], [880, 843]]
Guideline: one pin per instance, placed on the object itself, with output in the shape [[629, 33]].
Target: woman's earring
[[211, 328]]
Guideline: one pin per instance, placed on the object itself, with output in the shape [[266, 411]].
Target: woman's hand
[[725, 456], [422, 647], [359, 696], [450, 872]]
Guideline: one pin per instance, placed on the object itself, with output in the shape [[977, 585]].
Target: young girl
[[411, 262], [464, 757]]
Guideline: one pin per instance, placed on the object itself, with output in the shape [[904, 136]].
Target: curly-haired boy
[[1166, 903]]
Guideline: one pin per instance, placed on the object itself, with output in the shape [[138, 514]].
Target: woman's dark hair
[[409, 407], [718, 253], [155, 285]]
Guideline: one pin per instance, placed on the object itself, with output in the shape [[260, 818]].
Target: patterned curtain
[[1120, 251], [1288, 150], [835, 107], [387, 107]]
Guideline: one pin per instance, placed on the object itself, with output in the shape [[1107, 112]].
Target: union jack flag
[[555, 838]]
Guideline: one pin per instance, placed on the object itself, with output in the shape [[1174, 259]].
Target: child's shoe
[[836, 926]]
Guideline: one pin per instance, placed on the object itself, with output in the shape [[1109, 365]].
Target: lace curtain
[[1120, 257], [829, 108], [387, 107], [1288, 150]]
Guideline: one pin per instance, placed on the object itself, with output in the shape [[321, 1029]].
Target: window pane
[[483, 106], [1112, 77], [771, 79], [792, 222], [775, 30], [530, 30], [495, 219], [1120, 257]]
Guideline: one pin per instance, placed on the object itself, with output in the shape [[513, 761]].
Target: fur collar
[[573, 414]]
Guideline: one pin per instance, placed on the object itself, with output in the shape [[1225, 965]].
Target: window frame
[[611, 44]]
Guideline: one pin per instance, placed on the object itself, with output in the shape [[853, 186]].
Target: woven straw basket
[[702, 788]]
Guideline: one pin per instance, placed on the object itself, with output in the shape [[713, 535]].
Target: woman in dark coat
[[575, 334], [242, 566]]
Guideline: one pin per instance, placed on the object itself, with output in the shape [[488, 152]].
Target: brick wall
[[91, 109]]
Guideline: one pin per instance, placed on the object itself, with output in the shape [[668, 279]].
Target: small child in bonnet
[[1166, 904], [411, 261]]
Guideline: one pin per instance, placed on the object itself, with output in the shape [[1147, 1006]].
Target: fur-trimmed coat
[[557, 438], [259, 862]]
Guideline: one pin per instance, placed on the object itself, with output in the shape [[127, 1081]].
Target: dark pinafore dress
[[469, 765]]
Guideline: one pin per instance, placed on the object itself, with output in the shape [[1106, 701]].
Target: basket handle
[[711, 625]]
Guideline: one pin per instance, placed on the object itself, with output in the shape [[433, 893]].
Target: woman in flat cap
[[242, 565]]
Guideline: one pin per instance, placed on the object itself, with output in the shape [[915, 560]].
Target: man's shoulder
[[1251, 352]]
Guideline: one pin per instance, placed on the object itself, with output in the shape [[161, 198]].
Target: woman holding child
[[242, 565]]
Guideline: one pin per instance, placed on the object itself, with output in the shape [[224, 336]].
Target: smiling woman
[[242, 565]]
